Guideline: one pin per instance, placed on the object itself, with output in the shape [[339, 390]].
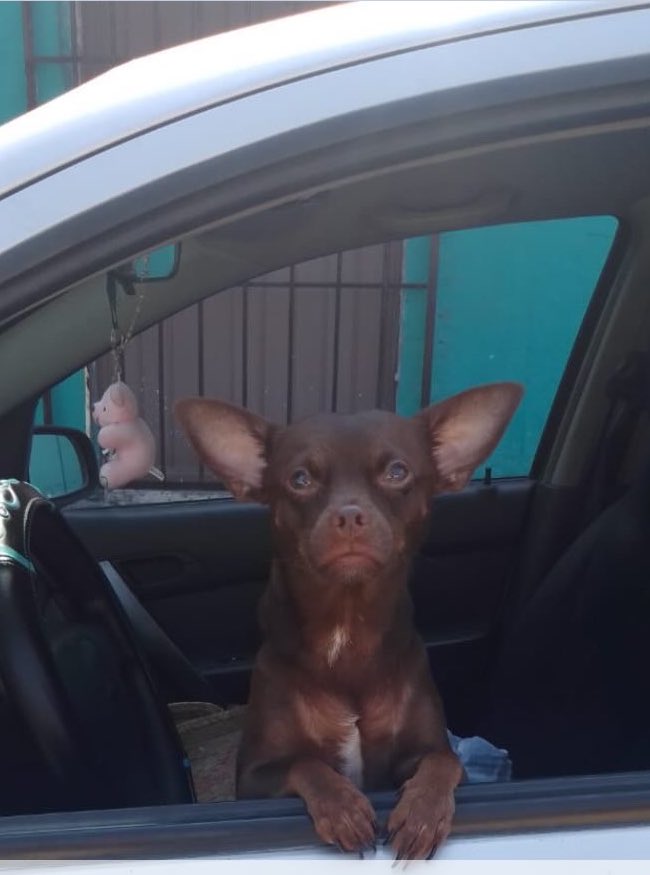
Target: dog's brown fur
[[342, 699]]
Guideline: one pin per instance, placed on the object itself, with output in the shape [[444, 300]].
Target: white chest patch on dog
[[351, 759], [337, 642]]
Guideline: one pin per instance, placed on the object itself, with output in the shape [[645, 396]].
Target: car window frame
[[158, 209], [546, 808]]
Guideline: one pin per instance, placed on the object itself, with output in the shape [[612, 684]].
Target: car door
[[475, 536]]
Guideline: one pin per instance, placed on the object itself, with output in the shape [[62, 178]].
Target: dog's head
[[349, 494]]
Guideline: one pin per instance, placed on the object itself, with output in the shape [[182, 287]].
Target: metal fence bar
[[244, 368], [306, 284], [389, 326], [63, 59], [200, 346], [291, 328], [337, 328], [162, 425], [113, 32], [200, 351], [196, 17], [75, 42], [383, 326], [28, 49], [432, 283]]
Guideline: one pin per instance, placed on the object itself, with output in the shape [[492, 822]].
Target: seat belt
[[628, 390], [165, 658]]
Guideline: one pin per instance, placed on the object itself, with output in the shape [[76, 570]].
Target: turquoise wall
[[52, 37], [68, 402], [13, 81], [509, 303]]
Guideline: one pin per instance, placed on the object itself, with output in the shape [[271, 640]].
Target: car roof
[[159, 88]]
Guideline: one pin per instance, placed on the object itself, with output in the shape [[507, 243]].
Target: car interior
[[530, 592]]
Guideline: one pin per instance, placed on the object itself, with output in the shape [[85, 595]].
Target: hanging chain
[[119, 339]]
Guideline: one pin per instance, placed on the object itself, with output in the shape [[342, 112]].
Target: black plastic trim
[[16, 431], [580, 347], [458, 521]]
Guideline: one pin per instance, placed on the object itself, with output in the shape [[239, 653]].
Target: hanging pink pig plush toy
[[126, 439]]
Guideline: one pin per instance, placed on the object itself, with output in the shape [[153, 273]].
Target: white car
[[261, 149]]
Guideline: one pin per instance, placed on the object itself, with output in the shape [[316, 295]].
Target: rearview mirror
[[62, 463], [159, 264]]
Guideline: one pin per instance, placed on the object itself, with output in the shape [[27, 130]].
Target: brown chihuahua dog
[[341, 694]]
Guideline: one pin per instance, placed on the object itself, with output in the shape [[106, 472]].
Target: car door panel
[[200, 567]]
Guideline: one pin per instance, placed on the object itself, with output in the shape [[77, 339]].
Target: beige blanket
[[210, 736]]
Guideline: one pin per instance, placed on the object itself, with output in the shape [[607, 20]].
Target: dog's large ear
[[231, 441], [464, 429]]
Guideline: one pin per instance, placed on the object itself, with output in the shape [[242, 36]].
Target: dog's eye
[[300, 479], [396, 472]]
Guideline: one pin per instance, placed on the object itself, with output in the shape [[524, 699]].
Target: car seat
[[570, 693]]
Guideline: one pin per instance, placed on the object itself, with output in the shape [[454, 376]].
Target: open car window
[[396, 326]]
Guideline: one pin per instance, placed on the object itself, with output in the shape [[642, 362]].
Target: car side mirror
[[62, 463]]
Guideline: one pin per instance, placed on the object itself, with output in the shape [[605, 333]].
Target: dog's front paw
[[344, 817], [420, 821]]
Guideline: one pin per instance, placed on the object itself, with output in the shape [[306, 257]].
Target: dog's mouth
[[350, 558]]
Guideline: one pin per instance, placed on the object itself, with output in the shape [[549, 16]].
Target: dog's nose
[[348, 519]]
